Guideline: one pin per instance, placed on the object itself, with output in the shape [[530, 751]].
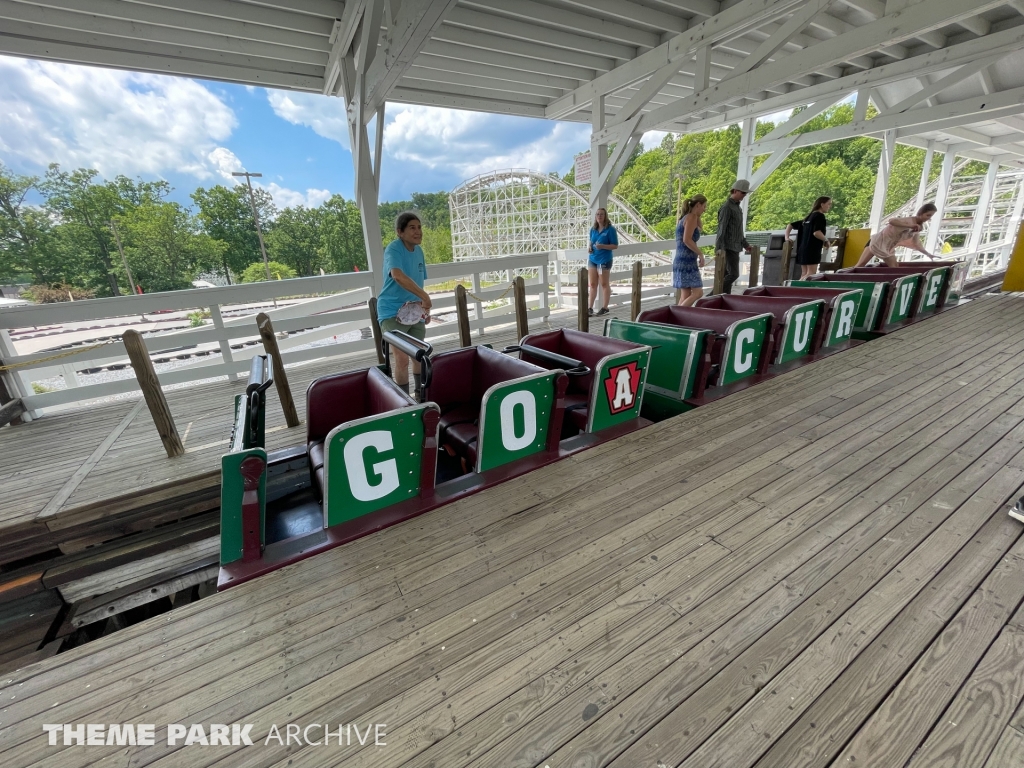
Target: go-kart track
[[814, 570]]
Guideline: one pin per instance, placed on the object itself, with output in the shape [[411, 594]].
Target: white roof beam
[[543, 52], [252, 13], [137, 30], [341, 40], [1016, 123], [415, 22], [633, 13], [977, 25], [465, 53], [440, 63], [952, 114], [706, 8], [933, 89], [526, 32], [682, 47], [786, 31], [156, 50], [420, 77], [798, 120], [175, 19], [927, 14], [1003, 42], [159, 60], [462, 98], [987, 83], [567, 21], [961, 150]]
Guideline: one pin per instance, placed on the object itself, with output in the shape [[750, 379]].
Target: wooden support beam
[[462, 315], [375, 329], [755, 265], [719, 282], [284, 392], [787, 257], [638, 276], [582, 300], [149, 383], [519, 301]]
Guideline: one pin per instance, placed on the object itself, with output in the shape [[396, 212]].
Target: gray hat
[[742, 185]]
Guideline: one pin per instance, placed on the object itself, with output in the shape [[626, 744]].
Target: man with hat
[[730, 238]]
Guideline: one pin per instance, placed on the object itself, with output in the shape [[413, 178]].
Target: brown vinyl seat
[[589, 349], [333, 400], [459, 380]]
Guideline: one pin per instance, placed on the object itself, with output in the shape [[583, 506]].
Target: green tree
[[437, 244], [431, 206], [226, 215], [297, 239], [164, 247], [342, 239], [84, 209], [25, 232], [257, 273]]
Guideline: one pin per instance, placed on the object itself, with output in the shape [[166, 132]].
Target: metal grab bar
[[420, 351], [569, 365]]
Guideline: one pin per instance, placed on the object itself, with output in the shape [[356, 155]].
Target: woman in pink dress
[[898, 232]]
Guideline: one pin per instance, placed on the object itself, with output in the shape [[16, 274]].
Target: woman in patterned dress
[[689, 259]]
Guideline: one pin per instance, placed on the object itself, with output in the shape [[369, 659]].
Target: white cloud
[[324, 114], [289, 198], [472, 142], [113, 121]]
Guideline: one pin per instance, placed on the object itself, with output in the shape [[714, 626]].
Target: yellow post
[[1014, 280], [856, 242]]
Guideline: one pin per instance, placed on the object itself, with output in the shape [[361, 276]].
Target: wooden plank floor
[[818, 571], [100, 458]]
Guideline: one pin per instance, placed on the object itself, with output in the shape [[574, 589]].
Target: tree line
[[65, 238], [61, 231], [654, 181]]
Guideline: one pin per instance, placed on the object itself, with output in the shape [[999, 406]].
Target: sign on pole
[[582, 168]]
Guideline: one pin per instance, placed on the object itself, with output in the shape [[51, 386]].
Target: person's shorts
[[600, 266], [418, 330]]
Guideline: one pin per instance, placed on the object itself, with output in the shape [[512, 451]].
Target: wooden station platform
[[99, 472], [818, 571]]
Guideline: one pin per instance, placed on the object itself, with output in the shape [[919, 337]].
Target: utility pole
[[256, 217], [117, 239]]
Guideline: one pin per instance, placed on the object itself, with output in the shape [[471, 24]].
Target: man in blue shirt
[[404, 274]]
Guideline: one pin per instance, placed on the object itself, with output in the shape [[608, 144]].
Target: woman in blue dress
[[688, 261], [603, 240]]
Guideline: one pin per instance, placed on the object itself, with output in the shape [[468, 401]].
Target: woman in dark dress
[[811, 237], [689, 259]]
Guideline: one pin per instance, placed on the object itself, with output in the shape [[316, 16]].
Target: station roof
[[680, 65]]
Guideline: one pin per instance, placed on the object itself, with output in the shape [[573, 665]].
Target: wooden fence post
[[582, 300], [755, 266], [462, 315], [638, 276], [519, 299], [719, 281], [375, 329], [787, 254], [284, 392], [145, 373]]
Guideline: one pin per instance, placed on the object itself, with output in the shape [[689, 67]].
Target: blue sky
[[194, 133]]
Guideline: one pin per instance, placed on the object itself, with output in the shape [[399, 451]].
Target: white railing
[[565, 265], [312, 309]]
